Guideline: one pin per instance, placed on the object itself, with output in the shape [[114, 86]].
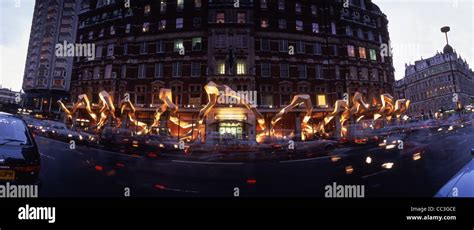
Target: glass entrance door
[[231, 130]]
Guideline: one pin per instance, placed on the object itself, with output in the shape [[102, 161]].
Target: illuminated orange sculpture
[[130, 112], [297, 100], [107, 109], [83, 100]]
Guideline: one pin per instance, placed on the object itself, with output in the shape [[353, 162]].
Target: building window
[[370, 35], [319, 72], [241, 41], [315, 28], [299, 25], [360, 33], [264, 4], [160, 46], [158, 70], [284, 70], [285, 94], [333, 28], [300, 47], [241, 17], [264, 44], [335, 50], [163, 6], [197, 22], [364, 74], [112, 30], [178, 45], [350, 51], [127, 29], [362, 53], [91, 35], [146, 27], [162, 24], [195, 69], [373, 55], [298, 7], [266, 69], [266, 96], [197, 3], [283, 45], [108, 71], [220, 17], [141, 71], [220, 67], [349, 31], [179, 23], [241, 67], [317, 49], [220, 41], [147, 9], [196, 44], [281, 4], [321, 100], [124, 71], [301, 71], [264, 23], [101, 33], [110, 50], [177, 69], [98, 52], [144, 48], [281, 23], [353, 72], [338, 72], [374, 76], [179, 5], [314, 10], [140, 94]]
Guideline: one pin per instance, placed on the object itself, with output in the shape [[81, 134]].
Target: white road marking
[[208, 163], [50, 157]]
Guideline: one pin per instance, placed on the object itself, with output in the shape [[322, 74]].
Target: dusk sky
[[414, 30]]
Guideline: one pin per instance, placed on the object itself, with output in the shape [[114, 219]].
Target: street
[[428, 160]]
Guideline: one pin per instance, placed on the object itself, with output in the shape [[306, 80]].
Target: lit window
[[196, 44], [264, 23], [162, 24], [220, 67], [299, 25], [373, 55], [321, 100], [333, 28], [178, 45], [315, 28], [147, 9], [220, 17], [163, 6], [362, 53], [180, 5], [241, 67], [146, 27], [350, 51], [179, 23]]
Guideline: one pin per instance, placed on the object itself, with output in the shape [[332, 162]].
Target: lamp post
[[445, 30]]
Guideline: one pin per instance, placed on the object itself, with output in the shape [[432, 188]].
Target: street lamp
[[445, 30]]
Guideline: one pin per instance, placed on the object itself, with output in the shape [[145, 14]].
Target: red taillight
[[251, 181], [151, 154], [159, 186], [27, 169], [98, 168]]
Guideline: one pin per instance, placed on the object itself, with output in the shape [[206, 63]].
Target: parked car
[[19, 155]]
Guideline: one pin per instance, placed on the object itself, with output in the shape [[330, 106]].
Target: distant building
[[47, 76], [432, 84], [8, 101]]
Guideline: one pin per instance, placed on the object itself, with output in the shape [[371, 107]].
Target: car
[[462, 184], [20, 160]]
